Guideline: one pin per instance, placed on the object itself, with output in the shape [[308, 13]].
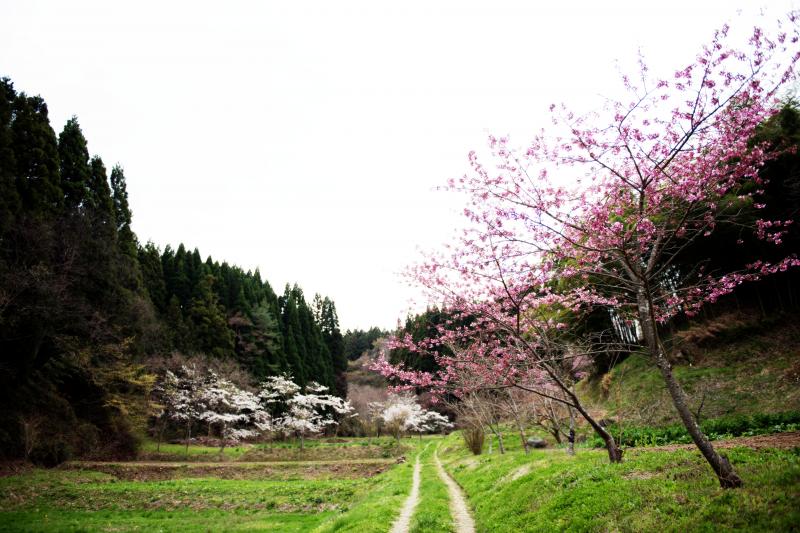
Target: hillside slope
[[732, 365]]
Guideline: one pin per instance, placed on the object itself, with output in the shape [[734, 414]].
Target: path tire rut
[[403, 521], [458, 504]]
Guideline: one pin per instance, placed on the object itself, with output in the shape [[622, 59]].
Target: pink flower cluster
[[595, 214]]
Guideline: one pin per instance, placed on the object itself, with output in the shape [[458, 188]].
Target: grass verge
[[380, 501], [649, 491]]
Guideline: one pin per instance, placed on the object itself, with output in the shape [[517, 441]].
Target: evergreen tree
[[99, 204], [291, 332], [122, 212], [153, 276], [328, 320], [258, 342], [210, 332], [36, 156], [73, 157], [173, 316], [9, 197]]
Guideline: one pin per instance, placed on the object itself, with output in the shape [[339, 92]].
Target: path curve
[[404, 520], [458, 505]]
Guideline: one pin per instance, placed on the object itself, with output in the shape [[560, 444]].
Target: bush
[[474, 438], [718, 428], [51, 452]]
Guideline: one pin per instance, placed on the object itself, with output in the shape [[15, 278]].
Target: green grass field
[[364, 484], [652, 490]]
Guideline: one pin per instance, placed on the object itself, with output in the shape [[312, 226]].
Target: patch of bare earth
[[154, 471], [524, 470], [13, 468]]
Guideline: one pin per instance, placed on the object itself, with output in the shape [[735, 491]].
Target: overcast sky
[[306, 138]]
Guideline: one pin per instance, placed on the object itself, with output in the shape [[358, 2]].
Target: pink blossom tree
[[598, 216], [503, 335]]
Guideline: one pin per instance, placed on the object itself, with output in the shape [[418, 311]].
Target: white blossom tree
[[401, 413], [237, 413], [302, 413], [190, 395], [182, 398]]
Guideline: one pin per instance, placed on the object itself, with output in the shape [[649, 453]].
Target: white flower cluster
[[189, 396], [311, 412], [404, 413]]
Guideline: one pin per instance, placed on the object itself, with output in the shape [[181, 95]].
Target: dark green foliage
[[35, 149], [122, 212], [10, 202], [269, 334], [153, 275], [420, 327], [81, 302], [99, 204], [358, 341], [209, 329], [259, 342], [73, 156]]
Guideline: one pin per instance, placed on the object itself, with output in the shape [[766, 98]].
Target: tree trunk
[[555, 423], [719, 463], [571, 437], [497, 434], [188, 435], [614, 452], [521, 430], [222, 438], [523, 438], [161, 435], [556, 433]]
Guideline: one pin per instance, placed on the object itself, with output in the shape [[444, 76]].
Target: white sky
[[306, 138]]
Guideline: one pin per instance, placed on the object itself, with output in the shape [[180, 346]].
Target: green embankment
[[650, 491], [378, 504], [729, 367]]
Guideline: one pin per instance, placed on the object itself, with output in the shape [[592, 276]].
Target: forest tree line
[[85, 308]]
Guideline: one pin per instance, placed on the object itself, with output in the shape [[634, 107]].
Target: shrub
[[474, 438], [51, 452]]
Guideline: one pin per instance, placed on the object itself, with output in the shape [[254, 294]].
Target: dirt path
[[404, 520], [458, 505]]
